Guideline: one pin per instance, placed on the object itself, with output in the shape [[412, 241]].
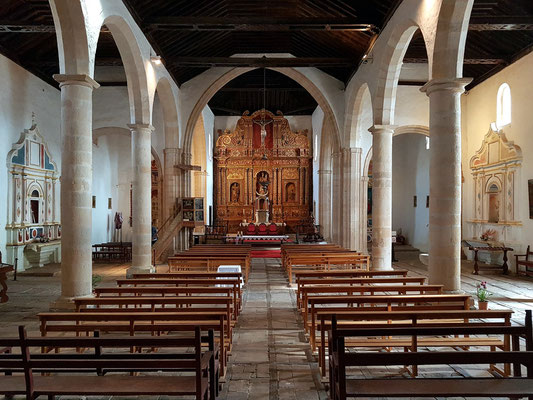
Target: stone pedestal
[[324, 209], [382, 196], [141, 199], [445, 181], [76, 183]]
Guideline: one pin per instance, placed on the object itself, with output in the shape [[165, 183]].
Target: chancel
[[293, 199]]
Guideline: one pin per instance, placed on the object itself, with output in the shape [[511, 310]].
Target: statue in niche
[[290, 193], [494, 203], [235, 192], [262, 183]]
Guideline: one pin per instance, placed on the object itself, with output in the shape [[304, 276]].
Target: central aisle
[[271, 358]]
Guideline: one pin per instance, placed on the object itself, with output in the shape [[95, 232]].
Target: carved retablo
[[263, 172]]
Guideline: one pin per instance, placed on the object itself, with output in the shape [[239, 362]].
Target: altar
[[262, 174]]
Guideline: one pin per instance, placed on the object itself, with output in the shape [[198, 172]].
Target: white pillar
[[382, 196], [351, 170], [324, 208], [170, 183], [76, 184], [141, 203], [336, 217], [445, 181]]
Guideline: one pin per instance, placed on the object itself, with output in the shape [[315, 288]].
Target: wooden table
[[475, 249], [4, 269]]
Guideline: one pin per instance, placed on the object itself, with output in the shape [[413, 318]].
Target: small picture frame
[[199, 204], [109, 203], [530, 192], [427, 201], [198, 216], [415, 201], [94, 201]]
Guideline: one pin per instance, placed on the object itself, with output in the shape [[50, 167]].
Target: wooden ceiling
[[333, 35]]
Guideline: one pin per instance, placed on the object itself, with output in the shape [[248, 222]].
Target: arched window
[[503, 106]]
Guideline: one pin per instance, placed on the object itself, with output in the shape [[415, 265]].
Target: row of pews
[[209, 257], [180, 323], [358, 319]]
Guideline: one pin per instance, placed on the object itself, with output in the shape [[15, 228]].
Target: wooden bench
[[152, 286], [87, 374], [515, 387], [381, 319], [527, 262], [4, 269], [326, 262], [347, 274], [199, 304], [208, 263], [303, 282], [361, 290], [379, 303], [134, 322]]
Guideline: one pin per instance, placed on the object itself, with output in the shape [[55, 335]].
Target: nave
[[271, 356]]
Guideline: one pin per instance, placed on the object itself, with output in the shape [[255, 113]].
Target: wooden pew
[[132, 322], [326, 262], [361, 290], [86, 374], [303, 282], [518, 386], [157, 286], [354, 319], [190, 305], [208, 263], [347, 274], [379, 303], [527, 262]]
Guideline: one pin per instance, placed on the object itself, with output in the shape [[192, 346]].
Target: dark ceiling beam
[[260, 89], [501, 23], [263, 62], [466, 61], [224, 109], [272, 24]]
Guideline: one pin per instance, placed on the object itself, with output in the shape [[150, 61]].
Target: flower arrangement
[[482, 293], [489, 234]]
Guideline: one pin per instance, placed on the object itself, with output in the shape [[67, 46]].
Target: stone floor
[[271, 358]]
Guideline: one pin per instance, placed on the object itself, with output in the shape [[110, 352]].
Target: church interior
[[298, 199]]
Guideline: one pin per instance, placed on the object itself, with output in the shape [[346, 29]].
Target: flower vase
[[483, 305]]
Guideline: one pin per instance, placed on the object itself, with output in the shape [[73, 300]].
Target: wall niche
[[495, 170]]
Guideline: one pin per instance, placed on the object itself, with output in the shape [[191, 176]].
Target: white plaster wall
[[412, 106], [22, 93], [111, 107], [158, 135], [364, 137], [410, 177], [317, 120], [479, 111], [209, 127]]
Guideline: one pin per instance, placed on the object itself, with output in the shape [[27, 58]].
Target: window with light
[[503, 107]]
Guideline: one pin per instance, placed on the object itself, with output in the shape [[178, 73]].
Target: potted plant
[[482, 295], [96, 280]]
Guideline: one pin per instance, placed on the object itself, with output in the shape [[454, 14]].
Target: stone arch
[[134, 66], [233, 73], [418, 129], [450, 39], [389, 71], [355, 104], [169, 105], [72, 37]]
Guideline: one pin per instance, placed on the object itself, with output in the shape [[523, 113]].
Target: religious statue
[[235, 192], [290, 193], [263, 123]]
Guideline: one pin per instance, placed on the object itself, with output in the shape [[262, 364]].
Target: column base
[[64, 303], [139, 270]]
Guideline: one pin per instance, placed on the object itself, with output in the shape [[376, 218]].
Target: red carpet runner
[[265, 253]]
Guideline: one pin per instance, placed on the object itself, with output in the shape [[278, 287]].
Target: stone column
[[324, 209], [76, 187], [351, 170], [381, 196], [141, 202], [336, 199], [363, 215], [170, 182], [445, 181]]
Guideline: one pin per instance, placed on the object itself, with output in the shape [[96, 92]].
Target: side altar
[[263, 173]]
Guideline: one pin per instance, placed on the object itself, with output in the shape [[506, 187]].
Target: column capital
[[171, 150], [141, 127], [456, 85], [377, 129], [324, 172], [352, 150], [76, 79]]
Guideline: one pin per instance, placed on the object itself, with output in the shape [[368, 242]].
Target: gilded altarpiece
[[263, 173]]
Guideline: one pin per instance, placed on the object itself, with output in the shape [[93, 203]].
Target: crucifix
[[262, 123]]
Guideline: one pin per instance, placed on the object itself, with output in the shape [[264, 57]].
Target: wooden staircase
[[162, 249]]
